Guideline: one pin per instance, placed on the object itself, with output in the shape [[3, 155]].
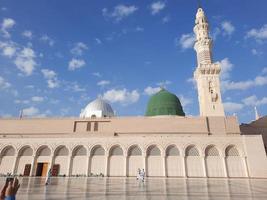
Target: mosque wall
[[172, 156], [121, 125]]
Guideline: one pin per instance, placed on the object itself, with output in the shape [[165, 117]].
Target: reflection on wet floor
[[153, 188]]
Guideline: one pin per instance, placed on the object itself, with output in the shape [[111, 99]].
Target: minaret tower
[[207, 73]]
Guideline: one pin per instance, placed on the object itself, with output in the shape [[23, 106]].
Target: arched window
[[231, 151], [98, 151], [116, 151], [44, 151], [191, 151], [80, 151], [26, 151], [211, 151], [134, 151], [8, 151], [172, 151], [62, 151], [153, 151]]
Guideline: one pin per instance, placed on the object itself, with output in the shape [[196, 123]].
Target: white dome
[[97, 108]]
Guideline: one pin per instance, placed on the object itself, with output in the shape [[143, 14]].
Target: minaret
[[257, 116], [207, 73]]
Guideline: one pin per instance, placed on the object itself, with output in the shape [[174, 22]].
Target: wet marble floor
[[153, 188]]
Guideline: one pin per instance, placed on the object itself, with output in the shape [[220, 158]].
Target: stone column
[[144, 164], [70, 165], [33, 165], [225, 167], [204, 166], [244, 158], [88, 172], [184, 166], [52, 161], [125, 165], [107, 164], [15, 163], [164, 165]]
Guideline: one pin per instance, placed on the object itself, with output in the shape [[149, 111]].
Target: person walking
[[48, 179], [138, 174], [142, 175]]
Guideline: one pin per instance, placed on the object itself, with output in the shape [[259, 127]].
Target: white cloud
[[256, 52], [151, 90], [37, 99], [185, 101], [264, 70], [232, 107], [254, 101], [139, 29], [258, 34], [227, 28], [25, 61], [31, 111], [97, 74], [164, 83], [48, 40], [79, 48], [8, 49], [156, 7], [74, 86], [27, 34], [103, 83], [226, 67], [3, 83], [165, 19], [76, 64], [7, 24], [244, 85], [119, 12], [121, 96], [51, 78], [98, 41], [17, 101], [186, 41]]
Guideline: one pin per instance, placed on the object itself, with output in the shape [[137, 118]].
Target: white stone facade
[[174, 156]]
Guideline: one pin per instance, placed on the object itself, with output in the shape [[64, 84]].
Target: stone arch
[[211, 150], [98, 159], [25, 159], [79, 161], [149, 146], [134, 147], [172, 150], [8, 150], [116, 161], [154, 161], [44, 150], [174, 162], [134, 160], [234, 162], [61, 158], [193, 162], [231, 150], [8, 157], [213, 161], [192, 150]]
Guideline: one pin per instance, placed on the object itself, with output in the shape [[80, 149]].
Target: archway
[[60, 166], [214, 163], [154, 161], [25, 161], [174, 165], [234, 162], [135, 161], [116, 161], [43, 159], [194, 164], [8, 159], [98, 160], [79, 162]]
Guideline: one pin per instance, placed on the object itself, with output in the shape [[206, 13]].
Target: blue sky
[[57, 56]]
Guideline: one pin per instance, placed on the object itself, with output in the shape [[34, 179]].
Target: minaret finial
[[257, 116], [199, 4]]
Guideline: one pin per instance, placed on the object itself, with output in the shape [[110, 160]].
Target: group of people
[[141, 175]]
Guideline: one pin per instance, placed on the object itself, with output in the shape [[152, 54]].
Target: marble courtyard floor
[[130, 189]]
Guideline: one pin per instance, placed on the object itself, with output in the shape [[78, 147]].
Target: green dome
[[164, 103]]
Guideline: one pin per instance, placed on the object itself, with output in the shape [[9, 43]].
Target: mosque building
[[164, 142]]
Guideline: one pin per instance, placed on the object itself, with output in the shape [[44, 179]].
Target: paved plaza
[[153, 188]]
